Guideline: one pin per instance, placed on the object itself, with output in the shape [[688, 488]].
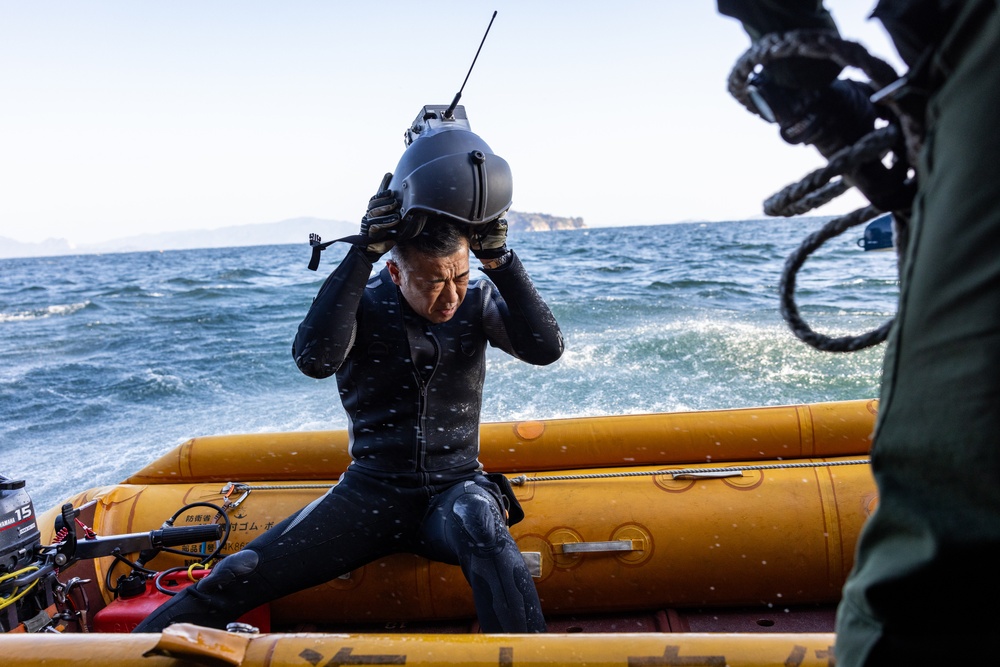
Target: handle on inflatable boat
[[599, 547]]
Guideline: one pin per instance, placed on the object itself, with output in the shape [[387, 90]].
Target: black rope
[[790, 311], [795, 199], [827, 183], [823, 45]]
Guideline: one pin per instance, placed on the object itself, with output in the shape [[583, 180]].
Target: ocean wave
[[178, 345], [241, 275], [59, 310], [148, 383]]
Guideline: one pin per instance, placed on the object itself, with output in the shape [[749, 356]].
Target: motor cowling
[[449, 171], [19, 533]]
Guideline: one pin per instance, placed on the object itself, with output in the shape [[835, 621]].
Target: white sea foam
[[41, 313]]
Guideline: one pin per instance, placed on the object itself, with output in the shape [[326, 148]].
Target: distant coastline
[[541, 222], [295, 230]]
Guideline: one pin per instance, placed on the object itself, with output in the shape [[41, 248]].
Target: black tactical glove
[[489, 243], [829, 118], [382, 221], [832, 118]]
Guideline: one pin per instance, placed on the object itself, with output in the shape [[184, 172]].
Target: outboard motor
[[19, 545], [32, 597], [19, 534]]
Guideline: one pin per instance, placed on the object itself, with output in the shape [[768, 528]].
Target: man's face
[[433, 286]]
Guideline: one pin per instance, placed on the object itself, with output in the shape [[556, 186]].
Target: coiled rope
[[825, 184]]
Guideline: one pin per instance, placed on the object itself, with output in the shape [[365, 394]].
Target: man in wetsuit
[[925, 580], [408, 347]]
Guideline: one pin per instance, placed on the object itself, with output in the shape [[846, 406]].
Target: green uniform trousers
[[926, 582]]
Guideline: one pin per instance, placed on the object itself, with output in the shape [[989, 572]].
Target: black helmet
[[448, 171]]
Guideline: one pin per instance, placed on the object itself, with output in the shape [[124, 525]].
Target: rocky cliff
[[541, 222]]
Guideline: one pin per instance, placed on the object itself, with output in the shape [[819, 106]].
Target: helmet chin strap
[[317, 247], [411, 226]]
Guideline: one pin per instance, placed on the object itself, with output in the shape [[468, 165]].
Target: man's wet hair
[[439, 238]]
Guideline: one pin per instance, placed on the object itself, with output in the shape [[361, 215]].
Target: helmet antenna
[[454, 103]]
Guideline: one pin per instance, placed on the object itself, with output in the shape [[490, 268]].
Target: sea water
[[109, 361]]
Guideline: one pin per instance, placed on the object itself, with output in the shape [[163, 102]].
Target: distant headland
[[295, 230], [541, 222]]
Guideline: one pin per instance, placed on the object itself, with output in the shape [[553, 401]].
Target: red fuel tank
[[124, 614]]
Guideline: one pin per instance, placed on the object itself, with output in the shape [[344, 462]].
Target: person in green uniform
[[925, 581]]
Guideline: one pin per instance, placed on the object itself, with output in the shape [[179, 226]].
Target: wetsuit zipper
[[422, 407]]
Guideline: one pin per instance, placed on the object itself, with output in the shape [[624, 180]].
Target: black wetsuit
[[412, 391]]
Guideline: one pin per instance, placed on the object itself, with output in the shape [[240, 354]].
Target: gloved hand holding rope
[[840, 119]]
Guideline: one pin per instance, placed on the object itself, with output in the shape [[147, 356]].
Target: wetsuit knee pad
[[232, 568], [478, 516]]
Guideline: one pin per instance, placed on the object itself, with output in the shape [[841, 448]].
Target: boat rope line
[[276, 487], [230, 488], [521, 480], [729, 471], [825, 184]]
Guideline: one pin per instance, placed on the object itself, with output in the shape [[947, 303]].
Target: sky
[[126, 117]]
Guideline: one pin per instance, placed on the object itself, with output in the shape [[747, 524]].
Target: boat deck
[[811, 619]]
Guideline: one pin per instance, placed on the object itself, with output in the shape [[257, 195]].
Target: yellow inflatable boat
[[718, 537]]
